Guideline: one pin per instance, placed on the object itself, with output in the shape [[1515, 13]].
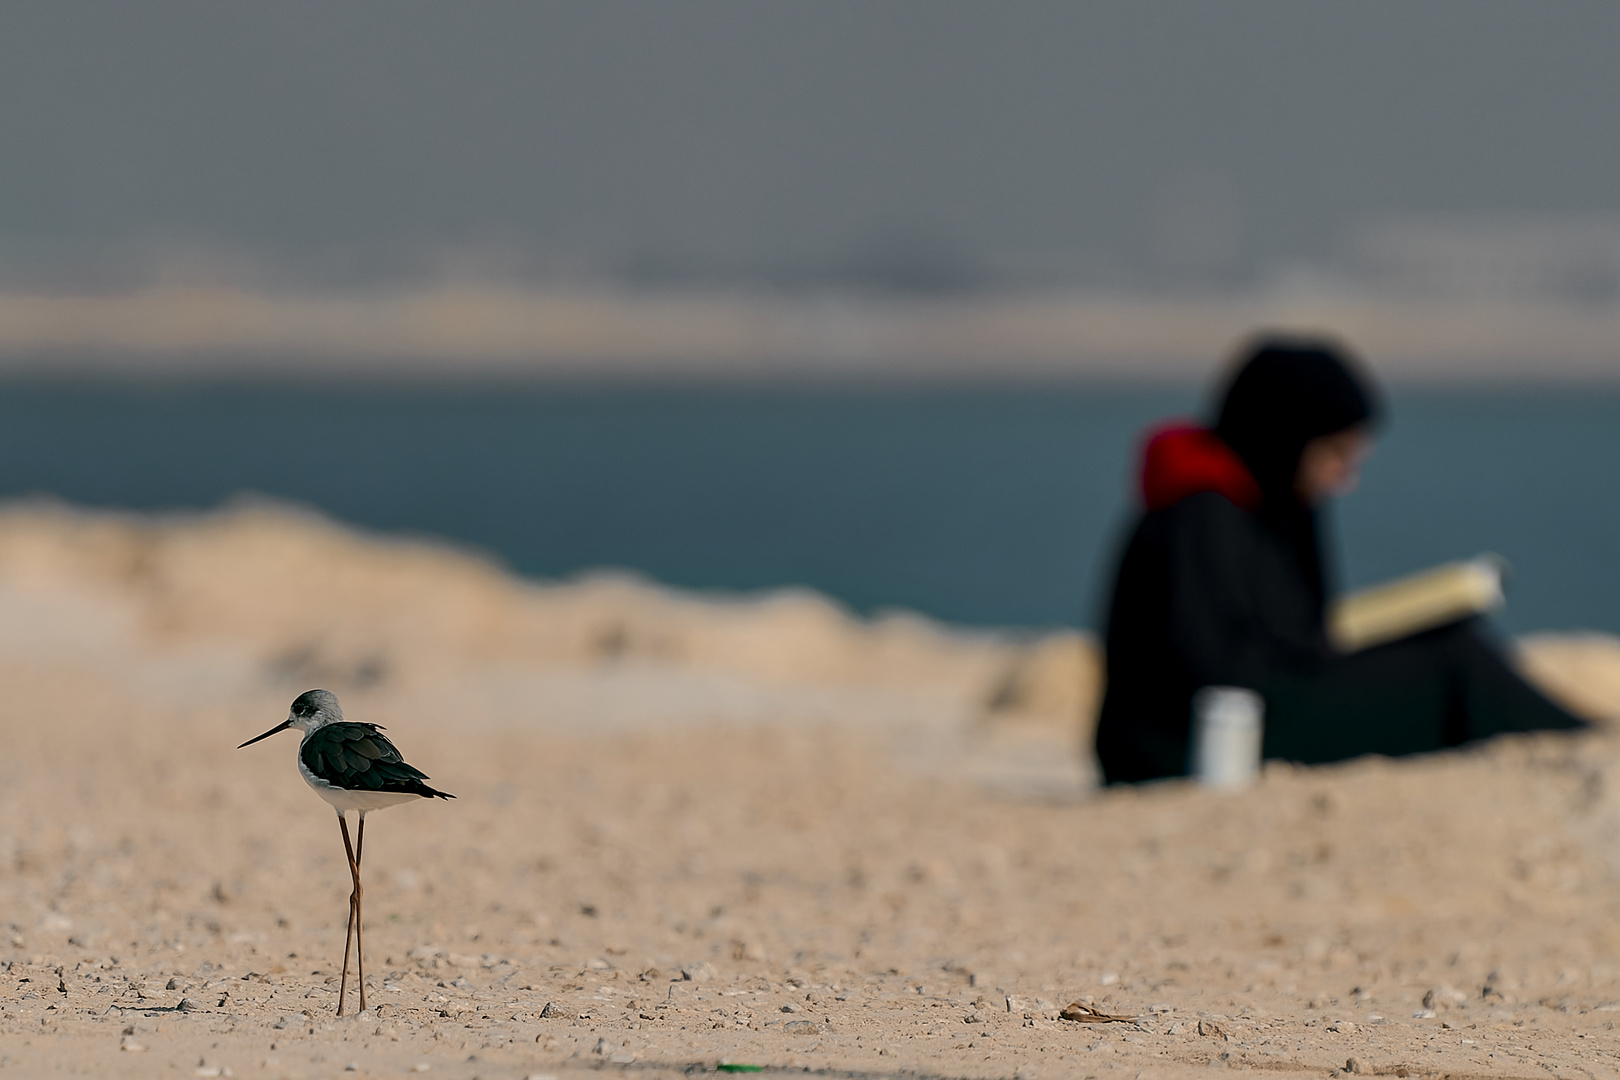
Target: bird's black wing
[[359, 757]]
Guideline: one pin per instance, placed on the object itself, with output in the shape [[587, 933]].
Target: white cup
[[1226, 726]]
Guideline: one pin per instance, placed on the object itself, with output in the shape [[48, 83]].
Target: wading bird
[[353, 767]]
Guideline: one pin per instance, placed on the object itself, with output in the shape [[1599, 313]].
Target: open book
[[1420, 602]]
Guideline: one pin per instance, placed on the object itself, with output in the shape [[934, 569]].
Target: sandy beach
[[755, 830]]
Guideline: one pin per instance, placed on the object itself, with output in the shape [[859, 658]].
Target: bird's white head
[[311, 710]]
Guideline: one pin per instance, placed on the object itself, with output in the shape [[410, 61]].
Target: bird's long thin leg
[[359, 909], [354, 912]]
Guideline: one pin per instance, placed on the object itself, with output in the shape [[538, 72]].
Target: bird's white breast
[[343, 799]]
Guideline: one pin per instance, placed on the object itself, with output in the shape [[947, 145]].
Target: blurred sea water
[[981, 505]]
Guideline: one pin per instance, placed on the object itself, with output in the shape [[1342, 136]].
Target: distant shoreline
[[501, 331]]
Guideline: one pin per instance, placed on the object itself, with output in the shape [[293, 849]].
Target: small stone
[[701, 972], [173, 984], [1443, 998], [128, 1043], [790, 1008], [974, 1017], [1343, 1027], [601, 1047], [353, 1066], [802, 1027], [189, 1005], [1211, 1029], [1352, 1066], [291, 1021], [550, 1012], [623, 1057]]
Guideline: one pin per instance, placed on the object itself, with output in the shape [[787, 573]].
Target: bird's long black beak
[[283, 726]]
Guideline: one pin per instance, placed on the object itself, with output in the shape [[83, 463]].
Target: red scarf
[[1180, 458]]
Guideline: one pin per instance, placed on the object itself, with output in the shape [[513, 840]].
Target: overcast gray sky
[[738, 134]]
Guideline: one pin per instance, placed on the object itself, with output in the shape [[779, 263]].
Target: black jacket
[[1207, 594]]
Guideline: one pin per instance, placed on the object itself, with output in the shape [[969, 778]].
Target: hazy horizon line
[[475, 329]]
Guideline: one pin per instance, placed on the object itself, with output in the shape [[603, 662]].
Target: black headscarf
[[1286, 392]]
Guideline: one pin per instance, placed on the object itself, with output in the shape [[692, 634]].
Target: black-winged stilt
[[353, 767]]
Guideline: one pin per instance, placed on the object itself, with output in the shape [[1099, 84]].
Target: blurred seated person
[[1224, 582]]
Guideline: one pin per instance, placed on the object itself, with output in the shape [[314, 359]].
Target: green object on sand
[[740, 1068]]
